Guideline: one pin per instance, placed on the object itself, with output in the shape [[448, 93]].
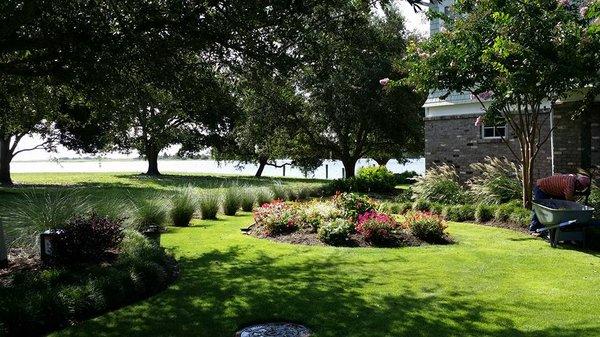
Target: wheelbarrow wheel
[[553, 242]]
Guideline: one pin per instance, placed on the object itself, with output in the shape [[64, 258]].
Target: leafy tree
[[28, 107], [349, 115], [513, 56]]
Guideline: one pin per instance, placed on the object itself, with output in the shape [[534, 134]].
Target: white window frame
[[494, 128]]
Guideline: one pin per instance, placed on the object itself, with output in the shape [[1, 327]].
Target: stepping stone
[[274, 330]]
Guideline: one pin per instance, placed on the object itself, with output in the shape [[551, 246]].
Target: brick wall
[[456, 140], [569, 138]]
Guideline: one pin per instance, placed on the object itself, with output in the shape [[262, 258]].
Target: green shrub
[[231, 200], [148, 213], [520, 216], [247, 199], [313, 214], [437, 208], [459, 213], [594, 201], [484, 213], [427, 227], [497, 181], [375, 179], [404, 195], [264, 195], [183, 207], [439, 184], [406, 177], [336, 232], [395, 207], [276, 218], [503, 212], [421, 205], [209, 202], [353, 204]]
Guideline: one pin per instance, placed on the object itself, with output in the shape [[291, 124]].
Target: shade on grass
[[494, 282]]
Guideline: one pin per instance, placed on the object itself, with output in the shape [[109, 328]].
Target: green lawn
[[494, 282]]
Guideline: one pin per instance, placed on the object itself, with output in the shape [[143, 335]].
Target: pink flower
[[564, 3], [583, 11], [479, 121], [384, 81]]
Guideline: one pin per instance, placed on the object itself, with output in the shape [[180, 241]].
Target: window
[[493, 132]]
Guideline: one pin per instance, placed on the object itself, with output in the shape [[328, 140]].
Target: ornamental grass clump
[[497, 181], [247, 199], [376, 228], [183, 207], [439, 184], [263, 195], [427, 227], [232, 200], [276, 218], [209, 203], [484, 213], [148, 214], [279, 191]]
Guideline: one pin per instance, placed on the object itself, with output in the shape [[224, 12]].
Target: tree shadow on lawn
[[221, 291]]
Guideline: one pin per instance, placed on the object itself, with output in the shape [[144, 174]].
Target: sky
[[416, 22]]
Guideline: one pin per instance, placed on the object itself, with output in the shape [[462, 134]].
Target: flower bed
[[347, 219]]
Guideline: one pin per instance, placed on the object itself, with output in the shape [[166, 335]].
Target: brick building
[[451, 135]]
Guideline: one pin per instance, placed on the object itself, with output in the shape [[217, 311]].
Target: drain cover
[[274, 330]]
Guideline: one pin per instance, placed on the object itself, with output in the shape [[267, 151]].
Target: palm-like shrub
[[231, 201], [247, 199], [183, 207], [209, 202], [439, 184], [148, 214], [497, 181]]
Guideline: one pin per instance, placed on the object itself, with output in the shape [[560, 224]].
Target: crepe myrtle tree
[[515, 58]]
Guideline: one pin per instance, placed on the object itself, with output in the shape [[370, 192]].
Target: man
[[560, 186]]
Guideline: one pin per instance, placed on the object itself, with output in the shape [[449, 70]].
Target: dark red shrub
[[87, 239]]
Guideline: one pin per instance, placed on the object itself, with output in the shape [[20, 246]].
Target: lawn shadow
[[221, 291]]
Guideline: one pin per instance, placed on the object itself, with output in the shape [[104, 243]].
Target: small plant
[[313, 214], [264, 195], [336, 232], [421, 205], [459, 212], [148, 214], [247, 199], [209, 202], [498, 181], [183, 207], [231, 201], [439, 184], [520, 216], [427, 227], [276, 218], [377, 228], [375, 179], [87, 238], [353, 204], [484, 213], [504, 211]]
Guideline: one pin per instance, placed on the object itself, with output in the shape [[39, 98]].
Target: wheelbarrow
[[564, 220]]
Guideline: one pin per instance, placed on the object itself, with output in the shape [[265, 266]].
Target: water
[[334, 167]]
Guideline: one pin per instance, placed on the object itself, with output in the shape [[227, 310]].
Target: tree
[[349, 115], [512, 56], [28, 107]]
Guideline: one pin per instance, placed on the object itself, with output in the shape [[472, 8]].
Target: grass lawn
[[494, 282]]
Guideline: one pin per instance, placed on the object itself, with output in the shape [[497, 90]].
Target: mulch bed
[[304, 236]]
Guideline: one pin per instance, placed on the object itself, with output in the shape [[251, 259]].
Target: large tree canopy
[[514, 57]]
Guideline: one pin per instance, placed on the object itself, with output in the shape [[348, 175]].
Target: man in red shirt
[[559, 186]]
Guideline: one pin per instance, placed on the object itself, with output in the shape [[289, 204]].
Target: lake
[[331, 169]]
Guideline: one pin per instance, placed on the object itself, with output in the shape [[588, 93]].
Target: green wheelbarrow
[[564, 220]]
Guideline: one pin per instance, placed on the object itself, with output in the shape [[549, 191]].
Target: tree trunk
[[152, 157], [261, 167], [381, 161], [5, 159], [3, 252], [586, 140], [349, 167], [527, 172]]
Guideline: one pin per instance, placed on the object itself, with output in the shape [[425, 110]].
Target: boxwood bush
[[459, 212], [484, 213]]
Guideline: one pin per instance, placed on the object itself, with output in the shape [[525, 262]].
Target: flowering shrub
[[352, 204], [377, 228], [276, 217], [426, 226], [336, 232], [313, 214]]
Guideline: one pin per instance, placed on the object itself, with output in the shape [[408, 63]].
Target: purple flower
[[384, 81]]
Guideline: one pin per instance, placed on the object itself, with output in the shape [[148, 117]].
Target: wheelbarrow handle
[[562, 224]]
